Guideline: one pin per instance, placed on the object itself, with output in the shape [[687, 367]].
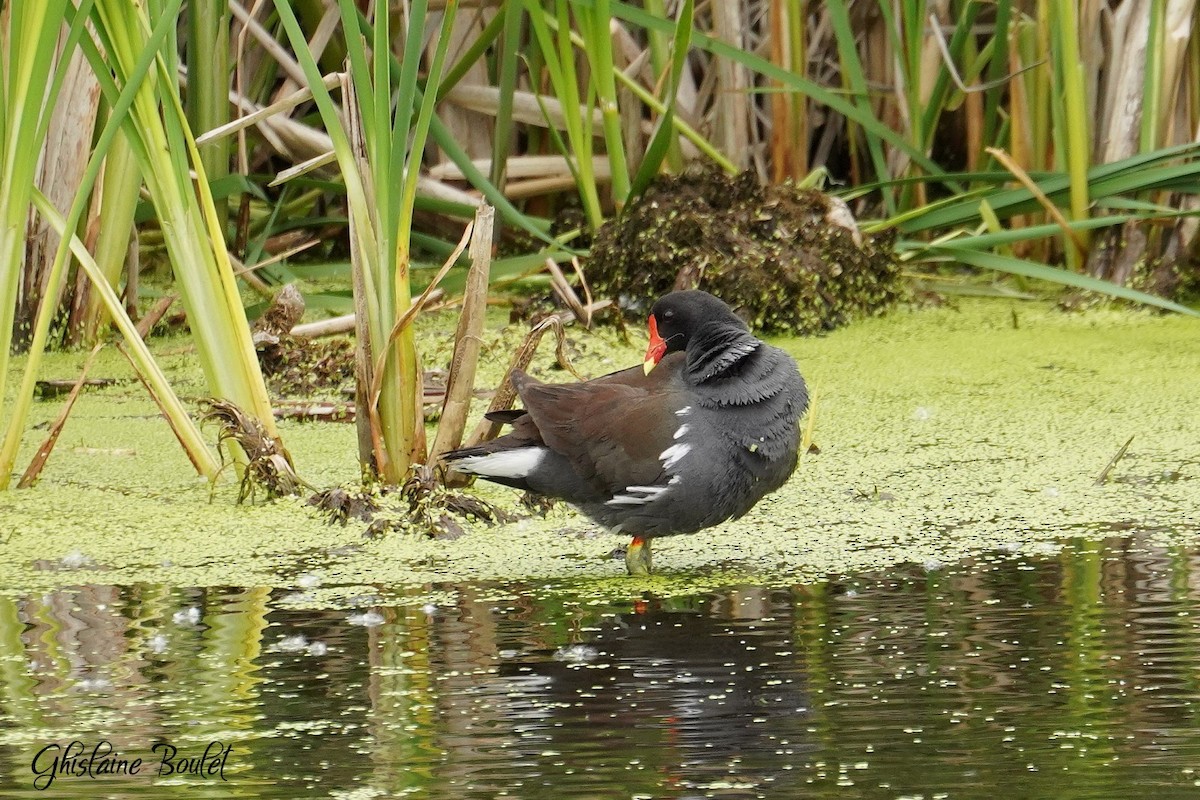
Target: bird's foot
[[637, 556]]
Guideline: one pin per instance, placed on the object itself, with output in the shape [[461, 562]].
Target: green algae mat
[[943, 600], [941, 433]]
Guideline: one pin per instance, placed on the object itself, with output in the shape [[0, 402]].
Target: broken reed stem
[[1102, 478], [371, 408], [345, 323], [38, 462], [1055, 213], [268, 463], [582, 309], [39, 459], [467, 338], [505, 394]]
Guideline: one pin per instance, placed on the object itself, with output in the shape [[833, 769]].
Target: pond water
[[944, 602], [1074, 675]]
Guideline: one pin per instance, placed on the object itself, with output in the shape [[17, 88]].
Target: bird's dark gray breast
[[753, 415]]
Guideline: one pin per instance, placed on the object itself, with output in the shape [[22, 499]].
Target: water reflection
[[1075, 675], [662, 696]]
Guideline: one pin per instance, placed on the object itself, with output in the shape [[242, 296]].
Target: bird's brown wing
[[613, 430]]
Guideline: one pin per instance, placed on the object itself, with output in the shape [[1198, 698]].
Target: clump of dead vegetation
[[790, 259]]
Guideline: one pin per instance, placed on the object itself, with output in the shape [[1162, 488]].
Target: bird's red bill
[[656, 349]]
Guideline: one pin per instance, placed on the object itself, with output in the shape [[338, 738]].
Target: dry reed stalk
[[527, 107], [522, 168], [1051, 209], [281, 104], [295, 140], [345, 323], [1102, 478], [789, 110], [732, 114], [467, 338], [133, 270], [61, 166], [1179, 26], [519, 190], [1118, 118], [42, 455], [973, 109], [1094, 56], [632, 59], [505, 394], [938, 13], [886, 78], [567, 294], [1021, 133]]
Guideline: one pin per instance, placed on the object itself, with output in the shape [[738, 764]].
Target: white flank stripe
[[679, 433], [505, 464], [637, 495], [683, 412], [671, 456]]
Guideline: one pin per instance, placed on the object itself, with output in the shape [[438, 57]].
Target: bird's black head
[[679, 316]]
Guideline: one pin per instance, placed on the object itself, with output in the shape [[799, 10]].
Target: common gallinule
[[697, 435]]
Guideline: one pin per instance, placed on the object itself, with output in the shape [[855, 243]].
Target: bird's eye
[[668, 314]]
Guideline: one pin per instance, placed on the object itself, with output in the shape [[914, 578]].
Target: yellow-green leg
[[637, 556]]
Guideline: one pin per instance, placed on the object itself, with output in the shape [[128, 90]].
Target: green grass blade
[[598, 46], [1032, 233], [996, 70], [508, 58], [1140, 172], [1031, 269], [479, 47], [855, 79], [425, 115], [444, 138], [665, 134], [181, 423], [1074, 114]]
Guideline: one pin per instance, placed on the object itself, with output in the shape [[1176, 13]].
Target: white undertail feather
[[504, 464]]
